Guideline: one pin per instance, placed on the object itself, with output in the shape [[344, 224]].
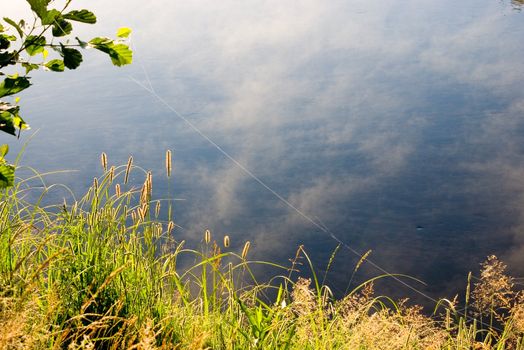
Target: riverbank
[[106, 273]]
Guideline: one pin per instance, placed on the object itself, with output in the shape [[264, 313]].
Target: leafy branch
[[51, 29]]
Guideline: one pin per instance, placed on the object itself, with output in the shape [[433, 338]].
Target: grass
[[106, 273]]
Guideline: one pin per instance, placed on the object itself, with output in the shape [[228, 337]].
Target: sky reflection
[[374, 119]]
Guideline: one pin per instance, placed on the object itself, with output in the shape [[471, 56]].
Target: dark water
[[398, 125]]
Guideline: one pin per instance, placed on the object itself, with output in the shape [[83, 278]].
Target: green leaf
[[55, 65], [6, 124], [123, 32], [10, 120], [1, 28], [8, 58], [13, 84], [3, 150], [72, 57], [9, 37], [5, 41], [62, 28], [19, 122], [120, 54], [83, 16], [7, 175], [14, 25], [29, 67], [39, 7], [50, 17], [100, 41], [34, 44]]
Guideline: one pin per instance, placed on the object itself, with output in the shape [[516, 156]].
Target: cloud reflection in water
[[375, 118]]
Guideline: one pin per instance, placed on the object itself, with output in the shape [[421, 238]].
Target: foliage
[[46, 44], [106, 273]]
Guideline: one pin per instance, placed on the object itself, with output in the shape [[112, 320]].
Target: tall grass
[[105, 273]]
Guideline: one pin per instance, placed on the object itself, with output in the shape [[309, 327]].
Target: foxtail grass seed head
[[362, 259], [468, 288], [158, 230], [112, 173], [170, 227], [128, 169], [143, 193], [103, 160], [143, 211], [226, 241], [149, 182], [207, 236], [168, 163], [216, 252], [95, 184], [157, 209], [133, 217], [118, 192], [245, 250]]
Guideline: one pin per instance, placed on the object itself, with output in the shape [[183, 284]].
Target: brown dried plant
[[493, 294], [517, 314], [303, 297]]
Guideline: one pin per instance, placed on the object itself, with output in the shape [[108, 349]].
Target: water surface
[[398, 125]]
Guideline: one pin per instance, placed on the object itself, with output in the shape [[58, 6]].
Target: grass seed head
[[157, 209], [147, 336], [142, 211], [168, 163], [207, 236], [112, 173], [170, 227], [362, 259], [128, 169], [245, 250], [517, 314], [158, 230], [494, 292], [103, 160], [226, 241], [303, 297], [149, 182]]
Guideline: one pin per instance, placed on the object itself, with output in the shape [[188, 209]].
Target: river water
[[395, 126]]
